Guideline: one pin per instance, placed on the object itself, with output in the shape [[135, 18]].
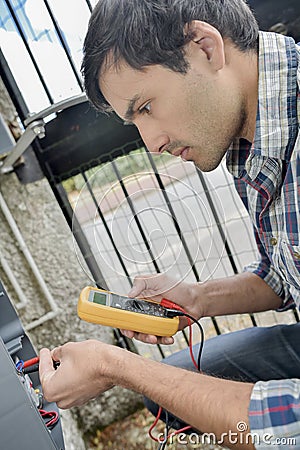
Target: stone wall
[[50, 242]]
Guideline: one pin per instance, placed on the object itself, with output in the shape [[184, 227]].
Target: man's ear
[[207, 39]]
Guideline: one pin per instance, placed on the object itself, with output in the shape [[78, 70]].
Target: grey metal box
[[21, 425]]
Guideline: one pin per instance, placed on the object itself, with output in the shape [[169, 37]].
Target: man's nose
[[155, 140]]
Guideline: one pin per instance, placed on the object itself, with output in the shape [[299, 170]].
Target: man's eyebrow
[[129, 114]]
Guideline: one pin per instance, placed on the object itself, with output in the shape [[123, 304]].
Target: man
[[200, 81]]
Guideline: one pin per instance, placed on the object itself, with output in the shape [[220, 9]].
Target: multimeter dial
[[136, 305]]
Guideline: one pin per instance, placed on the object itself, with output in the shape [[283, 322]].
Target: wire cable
[[51, 415], [201, 340], [20, 365], [173, 310]]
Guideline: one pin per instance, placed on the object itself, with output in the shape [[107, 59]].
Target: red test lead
[[168, 304], [32, 365], [31, 362]]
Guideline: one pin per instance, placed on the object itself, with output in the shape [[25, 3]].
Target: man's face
[[194, 115]]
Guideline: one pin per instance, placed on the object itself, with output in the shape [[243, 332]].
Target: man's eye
[[146, 108]]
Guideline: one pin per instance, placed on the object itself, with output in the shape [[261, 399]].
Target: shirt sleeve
[[265, 270], [274, 414]]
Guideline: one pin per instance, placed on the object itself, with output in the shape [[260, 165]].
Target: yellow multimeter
[[113, 310]]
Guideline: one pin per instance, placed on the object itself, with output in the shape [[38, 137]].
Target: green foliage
[[137, 161]]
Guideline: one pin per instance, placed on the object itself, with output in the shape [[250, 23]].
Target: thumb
[[134, 291], [139, 285], [46, 369], [56, 353]]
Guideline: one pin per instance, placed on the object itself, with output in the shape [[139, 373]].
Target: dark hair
[[148, 32]]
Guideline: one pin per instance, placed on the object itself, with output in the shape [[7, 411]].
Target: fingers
[[129, 334], [148, 338], [46, 369], [166, 340]]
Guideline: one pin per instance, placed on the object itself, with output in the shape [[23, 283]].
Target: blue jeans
[[250, 355]]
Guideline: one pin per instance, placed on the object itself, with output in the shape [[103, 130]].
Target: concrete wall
[[51, 244]]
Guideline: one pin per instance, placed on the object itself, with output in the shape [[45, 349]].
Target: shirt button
[[273, 241], [297, 255]]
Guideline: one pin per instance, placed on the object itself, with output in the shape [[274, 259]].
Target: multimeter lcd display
[[98, 298]]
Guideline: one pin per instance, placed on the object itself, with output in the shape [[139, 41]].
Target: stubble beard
[[211, 157]]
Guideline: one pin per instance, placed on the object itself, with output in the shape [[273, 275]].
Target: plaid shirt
[[267, 178]]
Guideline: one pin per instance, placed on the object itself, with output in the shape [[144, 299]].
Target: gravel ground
[[132, 434]]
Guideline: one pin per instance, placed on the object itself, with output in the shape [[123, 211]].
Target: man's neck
[[250, 87]]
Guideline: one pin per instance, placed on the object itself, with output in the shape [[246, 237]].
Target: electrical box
[[21, 422]]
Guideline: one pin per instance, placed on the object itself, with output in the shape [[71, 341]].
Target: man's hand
[[156, 287], [80, 375], [238, 294], [91, 367]]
